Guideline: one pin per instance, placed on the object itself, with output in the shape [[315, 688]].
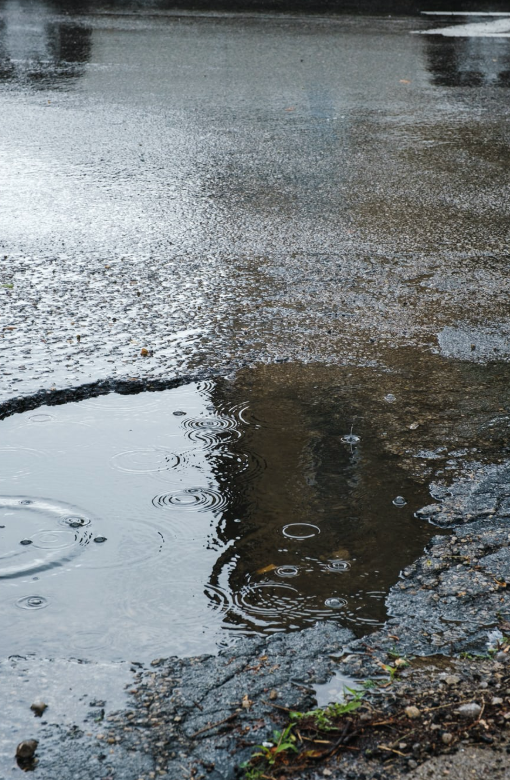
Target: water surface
[[168, 522]]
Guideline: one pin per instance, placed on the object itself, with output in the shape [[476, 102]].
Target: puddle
[[335, 690], [77, 694], [167, 523]]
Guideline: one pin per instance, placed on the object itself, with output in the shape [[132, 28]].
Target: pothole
[[284, 502]]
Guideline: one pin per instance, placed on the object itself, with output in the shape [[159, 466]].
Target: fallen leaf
[[265, 569]]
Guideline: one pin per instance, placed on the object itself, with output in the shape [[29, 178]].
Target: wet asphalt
[[224, 190], [189, 194]]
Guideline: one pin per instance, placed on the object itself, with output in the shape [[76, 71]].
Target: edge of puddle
[[306, 642], [124, 386]]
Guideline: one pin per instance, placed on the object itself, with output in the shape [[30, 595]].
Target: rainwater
[[171, 522]]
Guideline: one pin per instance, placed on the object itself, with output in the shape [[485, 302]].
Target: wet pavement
[[221, 191], [302, 217]]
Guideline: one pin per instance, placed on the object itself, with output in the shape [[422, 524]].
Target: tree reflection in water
[[39, 48], [310, 530]]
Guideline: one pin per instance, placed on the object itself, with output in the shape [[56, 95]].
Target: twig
[[303, 687], [276, 706], [452, 704], [213, 725], [340, 742], [318, 741], [391, 750]]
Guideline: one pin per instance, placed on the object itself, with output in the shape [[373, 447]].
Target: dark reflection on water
[[316, 535], [39, 49], [468, 62]]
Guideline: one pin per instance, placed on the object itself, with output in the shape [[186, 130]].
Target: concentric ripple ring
[[39, 534], [337, 565], [194, 499], [300, 530], [145, 461], [32, 602]]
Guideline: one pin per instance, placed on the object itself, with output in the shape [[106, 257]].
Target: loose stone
[[469, 711], [26, 749], [38, 708]]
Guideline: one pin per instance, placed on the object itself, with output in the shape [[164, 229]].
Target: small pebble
[[469, 711], [452, 679], [27, 748], [412, 712], [38, 708], [447, 738], [497, 700]]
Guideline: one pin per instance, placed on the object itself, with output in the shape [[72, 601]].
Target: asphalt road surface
[[185, 193], [221, 190]]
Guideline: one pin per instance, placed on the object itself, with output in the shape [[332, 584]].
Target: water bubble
[[179, 413], [390, 398], [26, 542], [337, 565], [75, 522], [350, 438], [301, 530], [287, 571], [26, 502], [32, 602], [399, 501], [335, 603], [99, 539]]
